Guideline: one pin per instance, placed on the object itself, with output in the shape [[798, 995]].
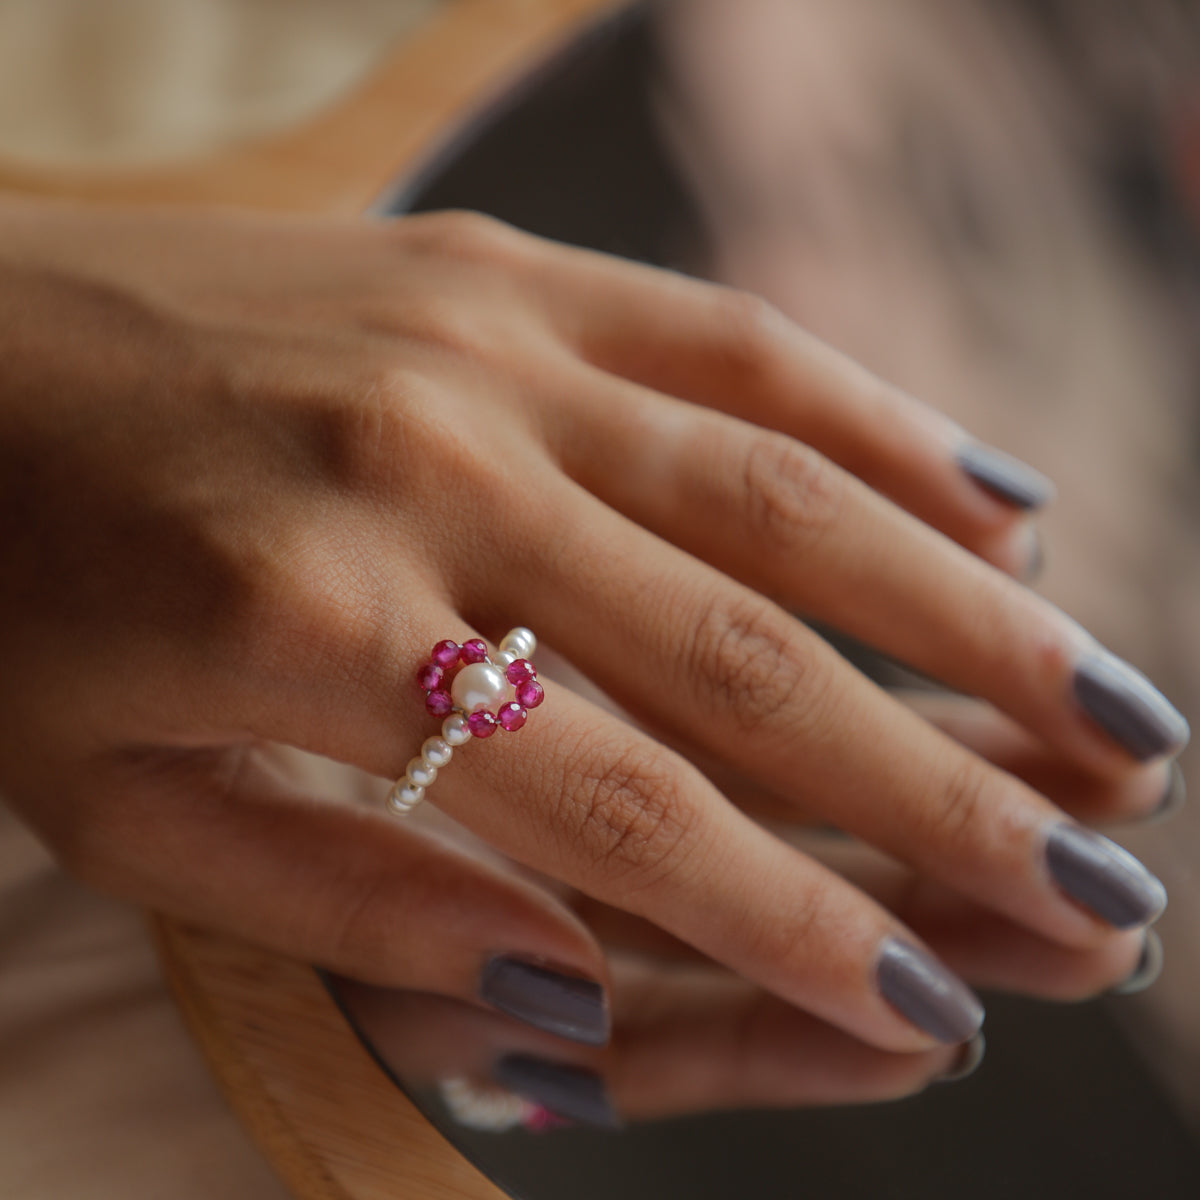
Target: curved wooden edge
[[329, 1120], [339, 162]]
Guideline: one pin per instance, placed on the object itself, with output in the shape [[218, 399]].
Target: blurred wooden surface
[[466, 52], [332, 1124]]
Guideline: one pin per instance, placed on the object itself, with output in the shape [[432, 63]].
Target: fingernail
[[566, 1005], [967, 1063], [574, 1093], [1103, 876], [1004, 477], [1124, 703], [1174, 796], [1148, 969], [931, 997]]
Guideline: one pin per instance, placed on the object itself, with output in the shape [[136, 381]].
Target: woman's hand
[[254, 468]]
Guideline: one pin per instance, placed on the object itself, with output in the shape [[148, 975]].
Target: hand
[[254, 468]]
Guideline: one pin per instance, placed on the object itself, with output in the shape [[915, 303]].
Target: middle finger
[[680, 644]]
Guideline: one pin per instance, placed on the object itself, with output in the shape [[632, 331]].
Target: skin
[[252, 470]]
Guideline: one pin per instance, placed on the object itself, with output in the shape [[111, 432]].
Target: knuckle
[[791, 494], [445, 324], [630, 814], [752, 666], [961, 799], [310, 602], [747, 332], [380, 437], [790, 942], [463, 233]]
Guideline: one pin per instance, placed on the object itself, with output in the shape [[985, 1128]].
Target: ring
[[475, 693]]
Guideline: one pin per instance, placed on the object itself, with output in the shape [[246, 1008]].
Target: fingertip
[[570, 1006], [1005, 478], [1019, 551], [1119, 700], [1174, 795], [927, 993], [1148, 968], [1035, 555], [967, 1061]]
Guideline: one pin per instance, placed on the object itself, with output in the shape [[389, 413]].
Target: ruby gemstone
[[474, 651], [439, 703], [512, 716], [520, 670], [430, 676], [445, 654], [482, 724], [530, 693]]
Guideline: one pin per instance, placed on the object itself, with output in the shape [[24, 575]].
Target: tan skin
[[253, 469]]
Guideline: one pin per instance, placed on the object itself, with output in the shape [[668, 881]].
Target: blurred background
[[993, 203]]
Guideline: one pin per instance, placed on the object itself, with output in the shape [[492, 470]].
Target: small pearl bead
[[521, 641], [455, 731], [436, 751], [421, 773], [404, 797], [479, 686], [505, 658]]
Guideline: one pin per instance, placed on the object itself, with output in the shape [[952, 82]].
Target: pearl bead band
[[475, 693]]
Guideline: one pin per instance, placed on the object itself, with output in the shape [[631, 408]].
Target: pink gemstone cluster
[[436, 675], [470, 690]]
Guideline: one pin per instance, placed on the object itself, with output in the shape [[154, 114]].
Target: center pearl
[[479, 686]]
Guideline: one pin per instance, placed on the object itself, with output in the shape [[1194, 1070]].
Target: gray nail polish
[[1174, 796], [565, 1090], [1148, 969], [1124, 703], [931, 997], [968, 1060], [566, 1005], [1005, 477], [1103, 876]]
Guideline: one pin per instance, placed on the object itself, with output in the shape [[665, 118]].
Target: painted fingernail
[[1124, 703], [571, 1092], [1174, 796], [1103, 876], [1148, 969], [931, 997], [967, 1063], [567, 1005], [1004, 477]]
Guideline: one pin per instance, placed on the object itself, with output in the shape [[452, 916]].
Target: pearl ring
[[476, 693]]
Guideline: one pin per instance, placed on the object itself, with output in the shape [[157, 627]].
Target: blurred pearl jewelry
[[488, 1109], [475, 693]]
